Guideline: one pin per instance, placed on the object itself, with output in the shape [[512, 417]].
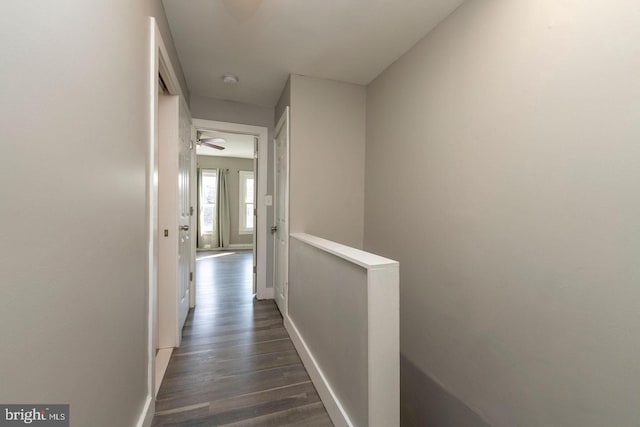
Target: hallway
[[236, 365]]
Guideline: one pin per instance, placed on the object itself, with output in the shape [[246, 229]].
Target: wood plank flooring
[[236, 365]]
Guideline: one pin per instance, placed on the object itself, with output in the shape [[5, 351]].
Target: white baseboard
[[149, 409], [241, 246], [146, 416], [162, 362], [236, 246], [331, 403]]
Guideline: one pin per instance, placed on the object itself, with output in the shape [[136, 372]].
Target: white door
[[281, 214], [174, 247], [184, 217], [193, 188]]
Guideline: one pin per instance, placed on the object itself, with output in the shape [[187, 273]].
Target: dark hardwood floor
[[236, 365]]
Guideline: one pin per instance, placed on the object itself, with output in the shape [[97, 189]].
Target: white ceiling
[[262, 41], [236, 145]]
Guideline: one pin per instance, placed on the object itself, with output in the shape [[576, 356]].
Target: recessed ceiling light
[[230, 79]]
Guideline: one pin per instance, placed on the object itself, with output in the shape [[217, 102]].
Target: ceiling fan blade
[[208, 144], [211, 139]]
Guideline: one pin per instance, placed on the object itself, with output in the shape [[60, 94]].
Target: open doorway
[[226, 196], [231, 195]]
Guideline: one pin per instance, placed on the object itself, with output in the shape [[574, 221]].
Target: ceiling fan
[[210, 142]]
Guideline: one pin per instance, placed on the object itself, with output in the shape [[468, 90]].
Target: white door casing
[[281, 213], [260, 175], [256, 175], [159, 64]]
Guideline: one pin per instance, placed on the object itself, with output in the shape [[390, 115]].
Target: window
[[208, 196], [246, 202]]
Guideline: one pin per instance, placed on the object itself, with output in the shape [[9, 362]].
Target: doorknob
[[274, 229], [184, 228]]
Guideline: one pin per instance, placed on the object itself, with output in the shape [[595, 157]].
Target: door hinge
[[190, 210], [191, 276], [255, 269], [255, 212]]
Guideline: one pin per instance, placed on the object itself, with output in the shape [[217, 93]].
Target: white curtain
[[223, 209], [207, 189]]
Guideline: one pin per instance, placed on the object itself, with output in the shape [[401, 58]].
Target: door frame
[[159, 64], [262, 133], [285, 120]]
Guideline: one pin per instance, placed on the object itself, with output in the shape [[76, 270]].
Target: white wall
[[74, 136], [231, 111], [502, 172], [327, 158]]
